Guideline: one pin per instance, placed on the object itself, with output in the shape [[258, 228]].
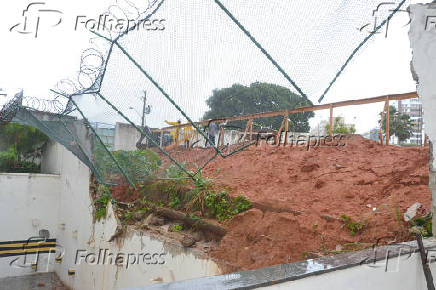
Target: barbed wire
[[10, 109], [93, 60], [49, 106]]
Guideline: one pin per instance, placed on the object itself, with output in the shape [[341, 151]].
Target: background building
[[106, 133], [372, 134], [413, 108]]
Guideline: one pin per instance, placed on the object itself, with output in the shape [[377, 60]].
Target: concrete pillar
[[422, 37]]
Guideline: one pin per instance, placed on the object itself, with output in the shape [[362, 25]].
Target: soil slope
[[299, 197]]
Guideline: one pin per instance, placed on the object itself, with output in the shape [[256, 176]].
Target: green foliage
[[398, 214], [24, 167], [139, 165], [194, 217], [175, 172], [100, 213], [24, 145], [142, 165], [422, 225], [339, 127], [100, 203], [127, 215], [258, 97], [203, 186], [400, 125], [181, 194], [223, 207], [241, 204], [352, 225], [27, 141], [8, 159], [219, 205], [174, 200], [177, 228]]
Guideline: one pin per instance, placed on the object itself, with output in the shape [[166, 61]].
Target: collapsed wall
[[423, 43], [59, 202]]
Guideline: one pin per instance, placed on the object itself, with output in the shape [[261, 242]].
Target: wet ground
[[40, 281]]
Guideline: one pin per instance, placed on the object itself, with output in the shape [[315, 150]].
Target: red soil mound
[[299, 197]]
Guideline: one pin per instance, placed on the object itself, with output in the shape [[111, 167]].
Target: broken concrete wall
[[144, 259], [423, 43], [126, 137]]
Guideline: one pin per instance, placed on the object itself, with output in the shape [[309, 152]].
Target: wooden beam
[[331, 121], [395, 97], [245, 131], [380, 131], [251, 130], [410, 95], [177, 136], [387, 120], [222, 135], [278, 139], [286, 128]]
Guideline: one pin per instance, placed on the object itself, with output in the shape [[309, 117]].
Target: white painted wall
[[59, 203], [177, 263], [62, 204], [75, 211], [407, 275], [423, 44], [422, 36], [126, 137], [28, 203], [231, 137], [79, 233]]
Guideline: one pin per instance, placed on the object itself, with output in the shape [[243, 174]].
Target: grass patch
[[212, 203], [398, 215], [352, 225], [177, 228], [197, 198], [103, 197]]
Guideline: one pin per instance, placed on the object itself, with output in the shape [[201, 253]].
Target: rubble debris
[[188, 241], [154, 220], [411, 211], [192, 222]]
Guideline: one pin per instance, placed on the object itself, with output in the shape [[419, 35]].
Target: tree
[[400, 125], [339, 127], [258, 97], [21, 142]]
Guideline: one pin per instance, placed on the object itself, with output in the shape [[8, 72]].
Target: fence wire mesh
[[193, 48]]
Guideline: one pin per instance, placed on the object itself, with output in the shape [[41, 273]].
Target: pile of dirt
[[299, 197], [192, 158]]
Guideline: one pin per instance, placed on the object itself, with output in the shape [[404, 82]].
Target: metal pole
[[331, 121], [286, 128], [425, 267], [387, 121], [143, 109]]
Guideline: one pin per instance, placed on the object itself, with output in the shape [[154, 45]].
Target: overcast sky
[[201, 49]]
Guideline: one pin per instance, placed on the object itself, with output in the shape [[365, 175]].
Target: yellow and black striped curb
[[17, 248]]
